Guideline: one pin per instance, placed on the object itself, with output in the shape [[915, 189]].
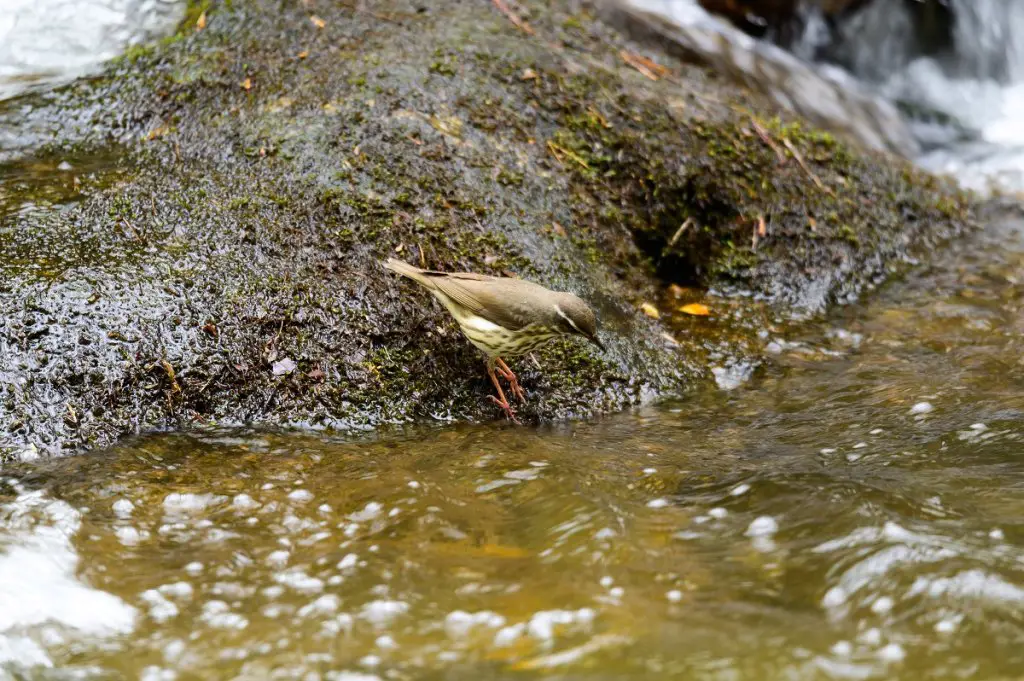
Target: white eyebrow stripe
[[566, 318]]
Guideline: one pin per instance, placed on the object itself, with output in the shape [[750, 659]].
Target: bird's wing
[[498, 300]]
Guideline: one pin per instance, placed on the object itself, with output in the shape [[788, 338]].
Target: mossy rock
[[233, 190]]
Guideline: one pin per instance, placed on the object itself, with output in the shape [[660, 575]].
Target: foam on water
[[47, 41], [38, 582]]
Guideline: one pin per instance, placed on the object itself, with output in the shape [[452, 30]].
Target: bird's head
[[575, 317]]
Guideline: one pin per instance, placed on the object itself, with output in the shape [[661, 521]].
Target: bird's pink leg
[[510, 413], [513, 382]]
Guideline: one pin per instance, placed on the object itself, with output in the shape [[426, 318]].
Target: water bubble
[[892, 652], [509, 635], [882, 606], [301, 496], [244, 502], [278, 558], [842, 649], [764, 526], [369, 512], [921, 408], [870, 637], [325, 605], [123, 508], [385, 642], [380, 613], [834, 597]]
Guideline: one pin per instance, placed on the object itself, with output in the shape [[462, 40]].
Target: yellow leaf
[[303, 54], [317, 21], [695, 309], [201, 21], [247, 84], [650, 311]]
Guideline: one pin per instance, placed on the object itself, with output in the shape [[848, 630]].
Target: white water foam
[[46, 41], [38, 583]]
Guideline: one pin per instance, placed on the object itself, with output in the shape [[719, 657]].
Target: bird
[[504, 317]]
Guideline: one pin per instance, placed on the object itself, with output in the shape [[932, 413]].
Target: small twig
[[679, 232], [650, 69], [803, 164], [512, 16], [767, 139], [760, 231], [169, 370], [557, 150]]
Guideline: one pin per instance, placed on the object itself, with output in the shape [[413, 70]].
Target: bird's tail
[[410, 271]]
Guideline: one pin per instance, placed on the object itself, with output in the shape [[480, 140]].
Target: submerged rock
[[214, 254]]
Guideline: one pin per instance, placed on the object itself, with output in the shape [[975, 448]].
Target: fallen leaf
[[303, 54], [650, 311], [762, 226], [316, 375], [695, 309], [528, 74], [399, 248], [813, 224], [158, 131], [247, 84], [201, 21], [317, 21], [558, 229]]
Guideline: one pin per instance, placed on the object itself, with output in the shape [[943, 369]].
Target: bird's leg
[[513, 382], [510, 413]]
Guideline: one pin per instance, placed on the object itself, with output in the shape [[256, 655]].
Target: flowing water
[[855, 510], [43, 42], [959, 82]]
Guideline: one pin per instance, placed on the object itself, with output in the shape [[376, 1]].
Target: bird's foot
[[510, 413], [513, 385], [513, 382]]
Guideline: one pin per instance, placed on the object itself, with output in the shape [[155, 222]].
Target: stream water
[[854, 511]]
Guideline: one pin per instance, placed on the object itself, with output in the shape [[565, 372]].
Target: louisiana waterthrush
[[503, 316]]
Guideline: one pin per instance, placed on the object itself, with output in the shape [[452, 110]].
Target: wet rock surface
[[227, 197]]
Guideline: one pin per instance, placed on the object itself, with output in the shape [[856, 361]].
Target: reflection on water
[[855, 511]]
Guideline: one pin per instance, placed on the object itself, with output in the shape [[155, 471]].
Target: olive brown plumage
[[504, 317]]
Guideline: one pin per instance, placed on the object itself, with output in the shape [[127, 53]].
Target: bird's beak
[[596, 341]]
